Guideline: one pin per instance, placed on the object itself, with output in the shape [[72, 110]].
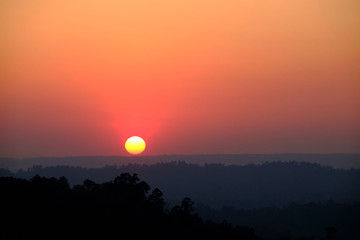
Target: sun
[[135, 145]]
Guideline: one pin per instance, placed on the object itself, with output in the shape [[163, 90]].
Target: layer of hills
[[216, 185], [336, 160], [277, 200]]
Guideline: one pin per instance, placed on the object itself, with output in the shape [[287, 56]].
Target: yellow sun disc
[[135, 145]]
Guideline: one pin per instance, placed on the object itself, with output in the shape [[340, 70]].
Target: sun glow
[[135, 145]]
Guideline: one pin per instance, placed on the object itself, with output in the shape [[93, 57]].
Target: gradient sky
[[78, 77]]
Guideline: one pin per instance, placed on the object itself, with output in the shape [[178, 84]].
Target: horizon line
[[179, 154]]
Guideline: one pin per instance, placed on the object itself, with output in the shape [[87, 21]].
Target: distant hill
[[216, 185], [338, 160]]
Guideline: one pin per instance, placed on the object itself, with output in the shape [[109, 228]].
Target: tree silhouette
[[47, 208], [330, 233], [187, 206]]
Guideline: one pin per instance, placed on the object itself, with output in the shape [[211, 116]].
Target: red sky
[[190, 77]]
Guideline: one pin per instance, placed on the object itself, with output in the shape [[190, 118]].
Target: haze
[[190, 77]]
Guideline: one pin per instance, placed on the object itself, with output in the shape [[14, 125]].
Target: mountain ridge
[[336, 160]]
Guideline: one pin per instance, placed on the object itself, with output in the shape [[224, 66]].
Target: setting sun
[[135, 145]]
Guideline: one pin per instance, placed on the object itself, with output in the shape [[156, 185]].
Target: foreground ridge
[[47, 208]]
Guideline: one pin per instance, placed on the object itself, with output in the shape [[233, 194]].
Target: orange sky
[[194, 76]]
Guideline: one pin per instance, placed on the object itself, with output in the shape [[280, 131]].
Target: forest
[[216, 185], [278, 200], [48, 208]]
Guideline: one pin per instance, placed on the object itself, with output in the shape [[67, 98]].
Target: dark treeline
[[216, 185], [48, 208], [279, 199], [38, 207], [294, 220]]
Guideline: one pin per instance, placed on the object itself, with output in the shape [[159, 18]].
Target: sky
[[78, 77]]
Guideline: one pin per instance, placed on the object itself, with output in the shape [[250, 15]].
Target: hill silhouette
[[293, 221], [278, 200], [216, 185], [335, 160], [47, 208]]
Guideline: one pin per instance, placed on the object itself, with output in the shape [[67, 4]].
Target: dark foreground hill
[[39, 207], [294, 221], [47, 208], [216, 185]]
